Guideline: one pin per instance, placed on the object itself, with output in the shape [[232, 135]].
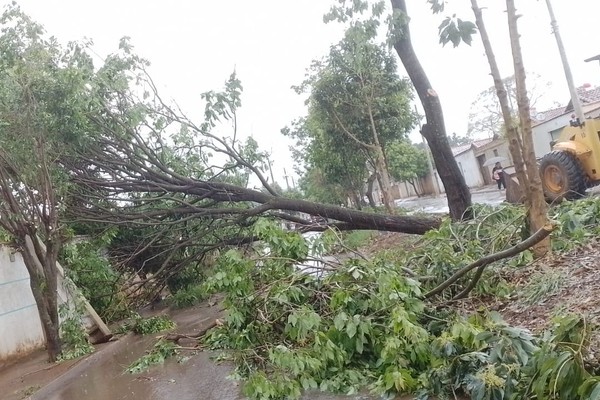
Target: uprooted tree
[[135, 175]]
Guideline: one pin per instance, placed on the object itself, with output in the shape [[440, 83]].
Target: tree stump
[[514, 193]]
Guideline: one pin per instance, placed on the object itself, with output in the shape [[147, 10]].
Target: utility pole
[[287, 183], [270, 168], [563, 55]]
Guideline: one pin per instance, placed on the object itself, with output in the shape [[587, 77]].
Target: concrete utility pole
[[563, 55]]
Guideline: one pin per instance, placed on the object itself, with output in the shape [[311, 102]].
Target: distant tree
[[332, 167], [485, 115], [356, 93], [456, 140], [407, 163], [434, 130]]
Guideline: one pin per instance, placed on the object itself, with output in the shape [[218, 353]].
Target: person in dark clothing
[[498, 176]]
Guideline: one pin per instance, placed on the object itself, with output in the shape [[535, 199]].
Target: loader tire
[[562, 176]]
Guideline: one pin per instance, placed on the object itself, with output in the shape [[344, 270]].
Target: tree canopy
[[357, 105]]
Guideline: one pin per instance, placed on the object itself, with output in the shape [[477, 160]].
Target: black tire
[[562, 176]]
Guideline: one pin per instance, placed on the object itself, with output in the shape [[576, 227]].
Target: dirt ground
[[571, 284]]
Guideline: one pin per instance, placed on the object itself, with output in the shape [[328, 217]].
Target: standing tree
[[357, 93], [330, 164], [519, 136], [407, 162], [532, 185], [434, 130], [42, 102]]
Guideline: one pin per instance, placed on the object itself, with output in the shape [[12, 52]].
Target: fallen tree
[[150, 164]]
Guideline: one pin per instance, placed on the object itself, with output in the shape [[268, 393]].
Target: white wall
[[20, 328], [467, 163], [541, 132]]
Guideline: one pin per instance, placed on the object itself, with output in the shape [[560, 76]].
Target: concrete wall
[[542, 134], [20, 328], [467, 163]]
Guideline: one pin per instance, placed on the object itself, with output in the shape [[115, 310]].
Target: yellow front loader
[[574, 163]]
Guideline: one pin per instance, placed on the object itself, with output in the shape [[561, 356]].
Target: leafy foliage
[[407, 162], [73, 335], [366, 325], [92, 273], [578, 222], [456, 30], [357, 105], [157, 355], [146, 326]]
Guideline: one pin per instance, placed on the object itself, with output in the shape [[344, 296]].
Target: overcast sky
[[194, 45]]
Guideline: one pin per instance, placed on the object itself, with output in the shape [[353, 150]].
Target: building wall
[[20, 328], [497, 148], [542, 133], [467, 163]]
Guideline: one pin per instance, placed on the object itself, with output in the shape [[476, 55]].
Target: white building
[[548, 125]]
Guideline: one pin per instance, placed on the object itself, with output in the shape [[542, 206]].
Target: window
[[555, 134], [495, 152]]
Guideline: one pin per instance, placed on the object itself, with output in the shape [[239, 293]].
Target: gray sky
[[194, 45]]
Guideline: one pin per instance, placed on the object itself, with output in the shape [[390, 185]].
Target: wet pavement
[[439, 205], [102, 376]]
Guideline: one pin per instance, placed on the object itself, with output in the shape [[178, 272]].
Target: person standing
[[498, 176]]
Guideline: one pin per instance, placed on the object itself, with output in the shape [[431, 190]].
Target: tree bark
[[434, 130], [512, 130], [44, 290], [381, 166], [370, 183], [535, 201]]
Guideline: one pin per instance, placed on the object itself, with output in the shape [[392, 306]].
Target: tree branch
[[537, 237]]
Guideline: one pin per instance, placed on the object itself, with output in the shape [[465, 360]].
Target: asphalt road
[[439, 205]]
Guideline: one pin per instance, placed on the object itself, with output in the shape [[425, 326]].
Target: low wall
[[20, 327]]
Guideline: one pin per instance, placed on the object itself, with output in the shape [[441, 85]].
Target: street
[[439, 205]]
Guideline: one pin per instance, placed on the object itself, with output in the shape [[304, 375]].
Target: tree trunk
[[386, 186], [414, 185], [356, 200], [381, 166], [512, 130], [370, 184], [535, 200], [434, 130], [44, 289]]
